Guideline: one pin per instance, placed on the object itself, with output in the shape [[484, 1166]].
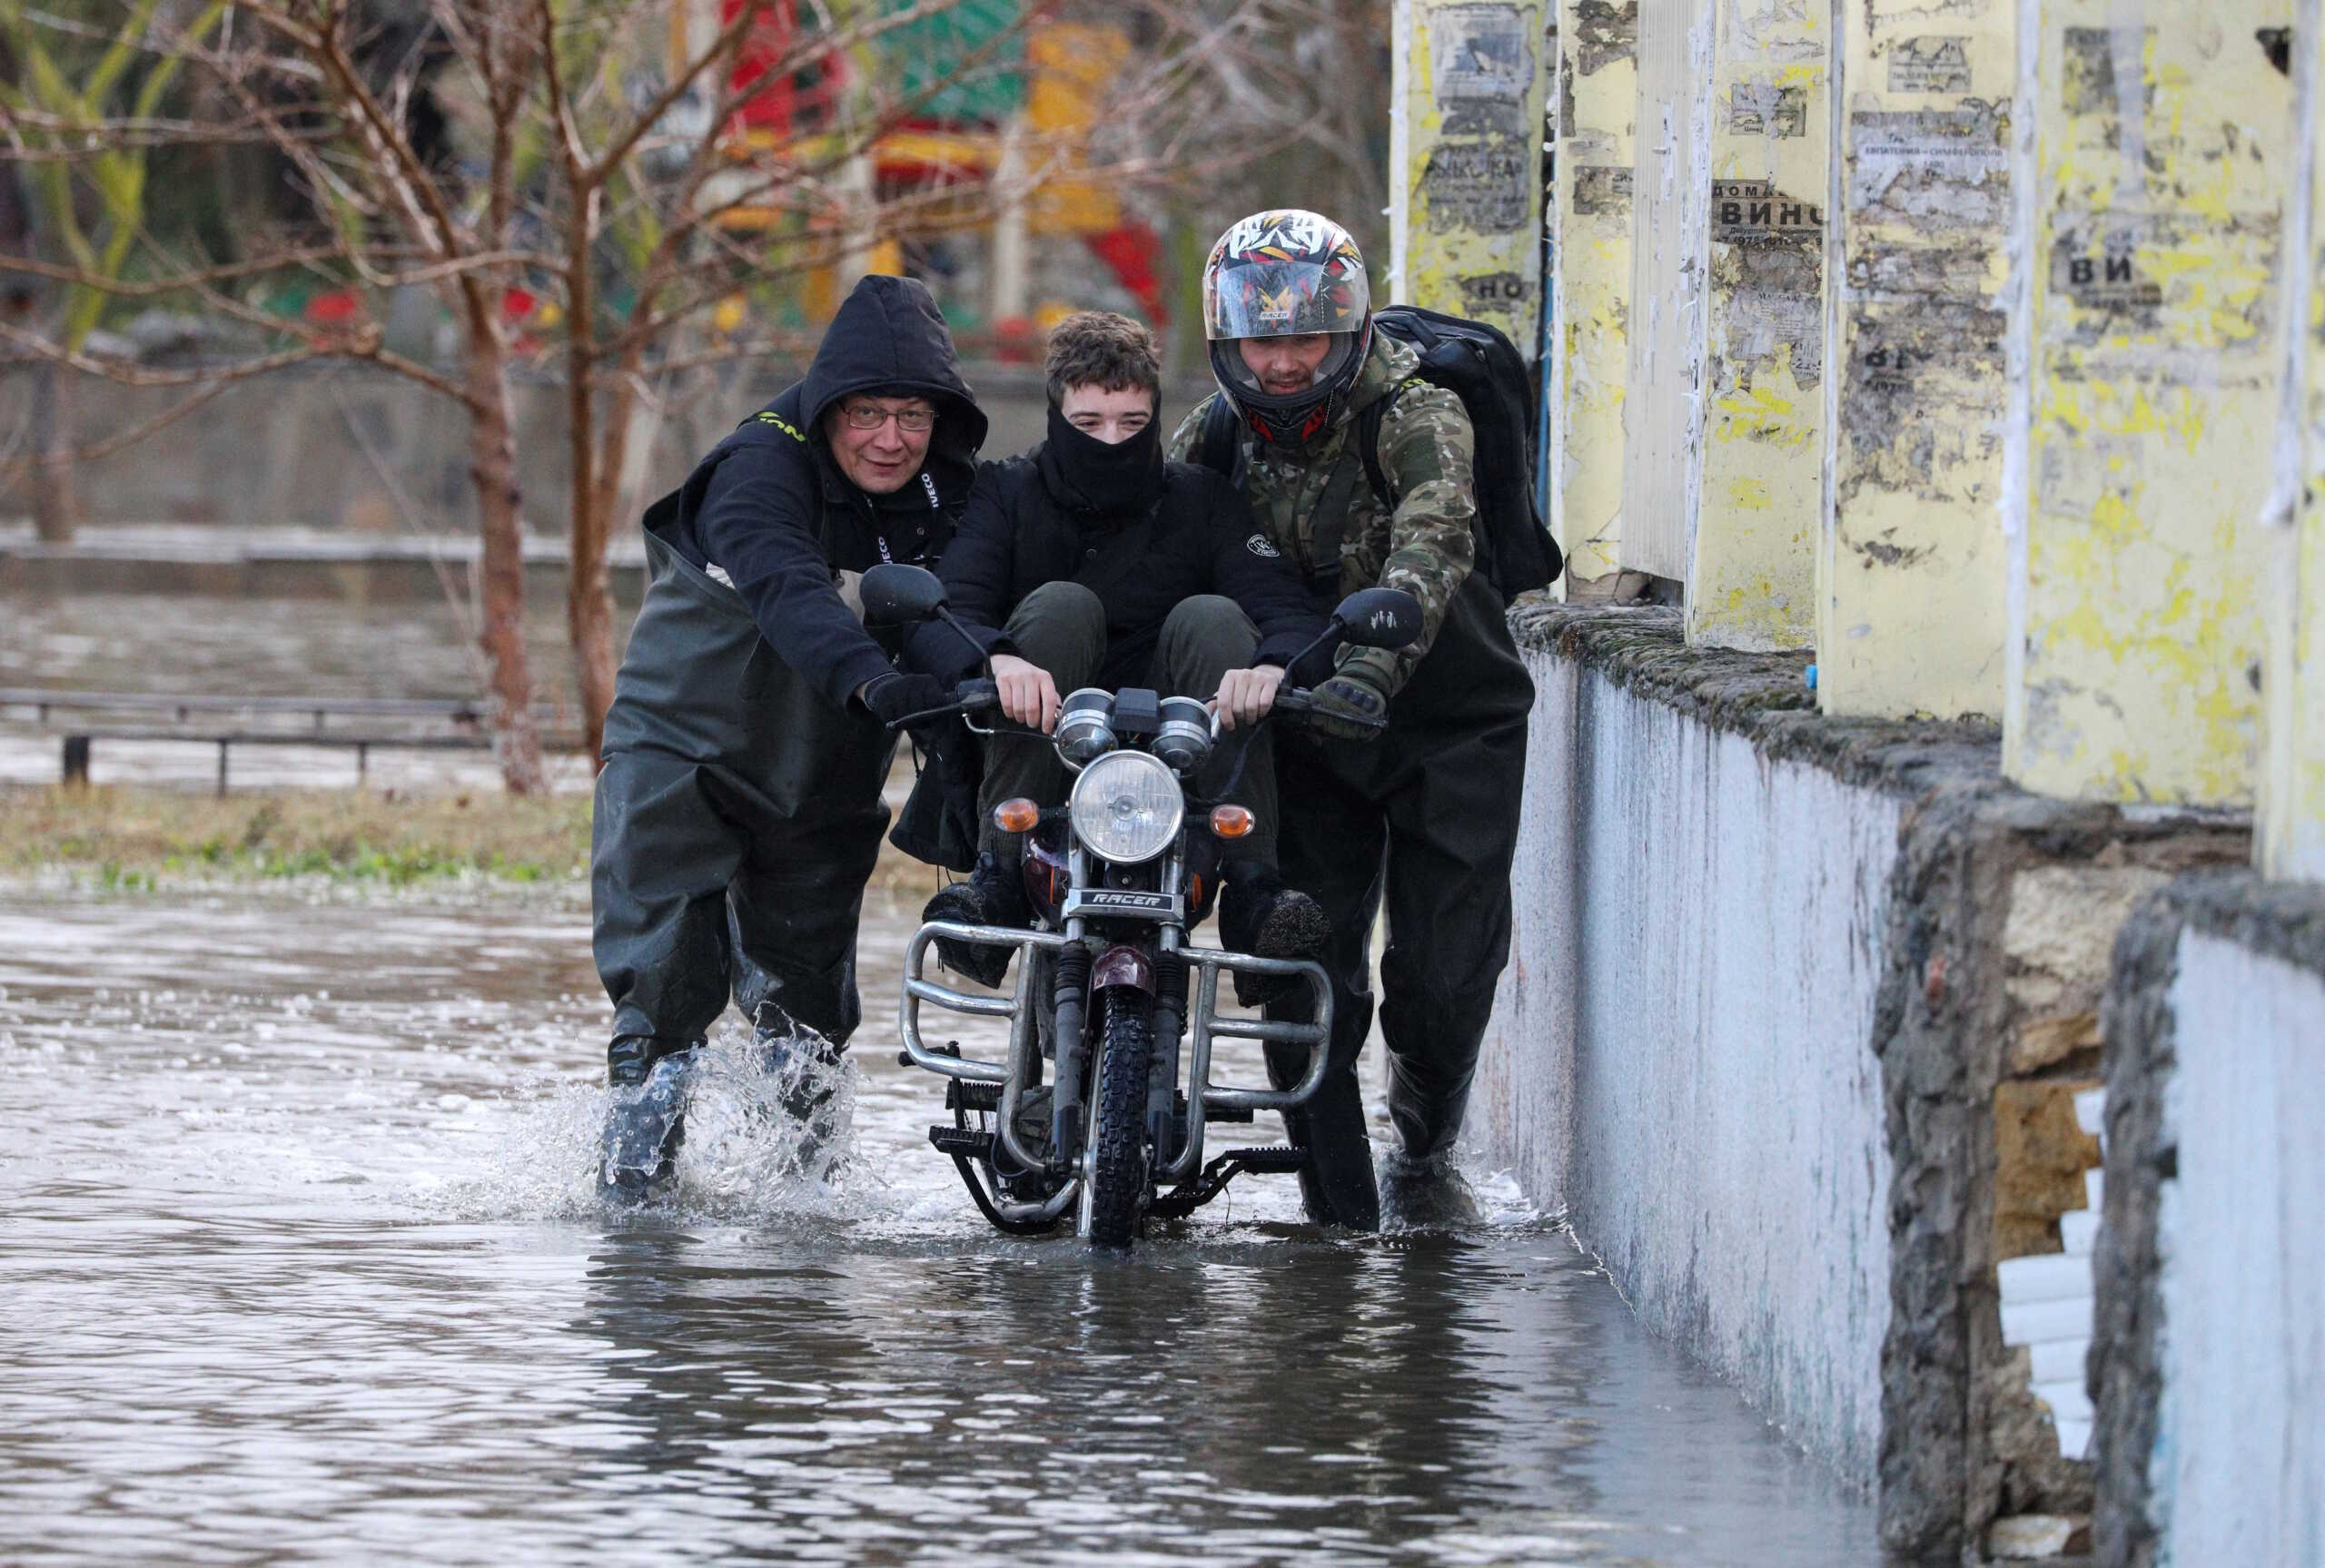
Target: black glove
[[1354, 693], [899, 696]]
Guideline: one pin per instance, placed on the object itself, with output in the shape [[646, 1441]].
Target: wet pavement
[[304, 1264]]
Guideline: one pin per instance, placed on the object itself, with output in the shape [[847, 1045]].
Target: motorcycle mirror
[[1377, 617], [895, 594]]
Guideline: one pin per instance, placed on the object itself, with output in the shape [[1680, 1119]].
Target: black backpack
[[1477, 364]]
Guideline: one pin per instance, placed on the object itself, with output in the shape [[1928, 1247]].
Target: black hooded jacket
[[771, 512], [1027, 525]]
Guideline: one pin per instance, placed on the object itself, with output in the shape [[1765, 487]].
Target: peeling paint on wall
[[2237, 1475], [1592, 224], [2292, 841], [1663, 405], [1632, 1083], [2161, 153], [1751, 575], [1910, 558], [1467, 132]]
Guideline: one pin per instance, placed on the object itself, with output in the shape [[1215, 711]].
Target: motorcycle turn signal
[[1232, 821], [1016, 816]]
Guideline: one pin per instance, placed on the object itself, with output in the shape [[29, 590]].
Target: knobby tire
[[1118, 1175]]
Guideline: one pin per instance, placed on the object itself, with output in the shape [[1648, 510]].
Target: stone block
[[2060, 927], [2036, 1536], [2040, 1156]]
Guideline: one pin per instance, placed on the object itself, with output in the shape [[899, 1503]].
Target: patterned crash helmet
[[1279, 274]]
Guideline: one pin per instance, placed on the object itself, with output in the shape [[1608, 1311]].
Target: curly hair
[[1100, 349]]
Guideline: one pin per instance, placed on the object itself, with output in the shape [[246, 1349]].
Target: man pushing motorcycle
[[738, 814], [1423, 815]]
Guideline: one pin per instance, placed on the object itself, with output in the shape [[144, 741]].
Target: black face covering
[[1123, 476]]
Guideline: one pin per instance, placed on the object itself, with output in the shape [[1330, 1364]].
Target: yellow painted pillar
[[1910, 580], [1469, 85], [2292, 841], [1663, 401], [1590, 291], [1751, 571], [2149, 236]]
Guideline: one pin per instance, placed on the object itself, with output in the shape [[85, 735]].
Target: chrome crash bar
[[1210, 962], [1024, 1040], [1204, 1019]]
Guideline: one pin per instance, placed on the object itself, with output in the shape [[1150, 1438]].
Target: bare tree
[[48, 105], [576, 146], [463, 234], [670, 225], [374, 214]]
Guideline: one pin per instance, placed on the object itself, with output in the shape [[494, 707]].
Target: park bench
[[403, 724]]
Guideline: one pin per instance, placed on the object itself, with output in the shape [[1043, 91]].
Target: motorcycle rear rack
[[1204, 1023]]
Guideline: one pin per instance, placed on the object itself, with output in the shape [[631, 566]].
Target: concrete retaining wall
[[1705, 924], [2209, 1371], [1794, 1031]]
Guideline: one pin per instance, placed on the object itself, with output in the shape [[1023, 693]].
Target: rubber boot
[[994, 894], [646, 1121], [1336, 1184], [1427, 1193], [807, 1069], [1260, 916]]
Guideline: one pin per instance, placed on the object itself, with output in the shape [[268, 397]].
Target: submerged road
[[302, 1262]]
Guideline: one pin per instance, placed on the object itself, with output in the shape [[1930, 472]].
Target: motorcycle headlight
[[1126, 807]]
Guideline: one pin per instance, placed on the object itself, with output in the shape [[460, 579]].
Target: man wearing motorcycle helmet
[[1424, 815]]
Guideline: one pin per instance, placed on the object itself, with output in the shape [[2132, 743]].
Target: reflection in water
[[301, 1261], [1220, 1400]]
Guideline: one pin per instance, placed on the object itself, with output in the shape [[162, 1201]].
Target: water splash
[[769, 1124], [770, 1134], [772, 1139]]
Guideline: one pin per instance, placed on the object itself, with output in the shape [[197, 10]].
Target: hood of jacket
[[889, 333]]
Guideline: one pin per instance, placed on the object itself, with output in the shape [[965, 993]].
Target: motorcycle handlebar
[[982, 695], [1297, 701], [971, 696]]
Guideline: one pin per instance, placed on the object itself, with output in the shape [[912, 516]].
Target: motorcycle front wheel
[[1115, 1194]]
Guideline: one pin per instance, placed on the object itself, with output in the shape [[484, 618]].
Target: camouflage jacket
[[1424, 546]]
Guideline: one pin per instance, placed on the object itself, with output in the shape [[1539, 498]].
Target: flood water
[[302, 1264]]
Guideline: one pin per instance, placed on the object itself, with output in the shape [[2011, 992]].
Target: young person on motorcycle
[[739, 812], [1091, 561], [1425, 814]]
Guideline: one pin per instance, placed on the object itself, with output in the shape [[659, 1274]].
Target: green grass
[[133, 840]]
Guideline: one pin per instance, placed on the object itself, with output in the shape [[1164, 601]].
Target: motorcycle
[[1104, 1099]]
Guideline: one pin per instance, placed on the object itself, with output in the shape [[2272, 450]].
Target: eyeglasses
[[870, 417]]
